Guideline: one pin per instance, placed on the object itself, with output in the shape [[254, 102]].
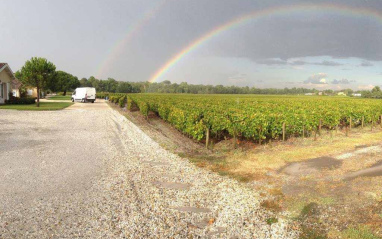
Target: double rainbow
[[274, 11], [130, 34]]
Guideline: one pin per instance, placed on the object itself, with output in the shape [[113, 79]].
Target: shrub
[[144, 108], [122, 101], [20, 101], [131, 105]]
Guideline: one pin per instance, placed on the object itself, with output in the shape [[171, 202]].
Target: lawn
[[43, 106], [60, 97]]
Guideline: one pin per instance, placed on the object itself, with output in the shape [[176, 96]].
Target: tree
[[376, 89], [63, 81], [85, 83], [124, 87], [37, 72]]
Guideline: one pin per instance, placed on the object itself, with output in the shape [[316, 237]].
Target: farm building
[[341, 93], [6, 78]]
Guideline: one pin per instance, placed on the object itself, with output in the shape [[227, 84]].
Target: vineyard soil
[[317, 194]]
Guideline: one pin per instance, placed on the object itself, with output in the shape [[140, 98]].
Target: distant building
[[357, 94], [320, 93], [341, 93], [309, 94], [6, 77]]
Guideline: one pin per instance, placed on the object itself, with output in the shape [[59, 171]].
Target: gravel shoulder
[[87, 171]]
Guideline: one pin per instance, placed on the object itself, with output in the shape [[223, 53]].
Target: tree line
[[40, 73]]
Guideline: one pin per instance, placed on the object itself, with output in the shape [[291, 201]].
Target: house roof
[[5, 66], [16, 84]]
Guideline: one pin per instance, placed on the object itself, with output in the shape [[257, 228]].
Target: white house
[[6, 78]]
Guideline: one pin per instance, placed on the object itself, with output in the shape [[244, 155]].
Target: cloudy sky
[[131, 40]]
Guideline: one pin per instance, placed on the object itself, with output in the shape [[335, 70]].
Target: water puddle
[[311, 166], [172, 185]]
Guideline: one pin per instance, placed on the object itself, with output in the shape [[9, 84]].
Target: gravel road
[[88, 172]]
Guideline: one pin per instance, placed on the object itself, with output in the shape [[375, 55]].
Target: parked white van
[[84, 94]]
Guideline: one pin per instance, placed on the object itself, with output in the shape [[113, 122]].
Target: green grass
[[43, 106], [362, 232], [60, 97]]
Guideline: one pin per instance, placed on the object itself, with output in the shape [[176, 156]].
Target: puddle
[[171, 185], [192, 209], [311, 166], [203, 223], [294, 188], [373, 171]]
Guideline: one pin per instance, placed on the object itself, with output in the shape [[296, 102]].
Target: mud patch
[[293, 189], [172, 185], [311, 166]]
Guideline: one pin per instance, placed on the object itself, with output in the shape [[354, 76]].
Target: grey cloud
[[298, 63], [318, 79], [288, 37], [328, 63], [366, 64], [270, 62], [340, 82]]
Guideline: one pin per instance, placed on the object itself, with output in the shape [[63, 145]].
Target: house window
[[30, 92], [1, 91]]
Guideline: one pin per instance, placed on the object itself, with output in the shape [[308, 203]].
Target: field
[[309, 175], [43, 106], [256, 118]]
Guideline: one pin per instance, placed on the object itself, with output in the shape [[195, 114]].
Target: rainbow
[[274, 11], [133, 30]]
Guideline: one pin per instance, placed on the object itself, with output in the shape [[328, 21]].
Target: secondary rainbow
[[132, 31], [274, 11]]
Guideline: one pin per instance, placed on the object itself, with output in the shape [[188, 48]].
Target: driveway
[[87, 171]]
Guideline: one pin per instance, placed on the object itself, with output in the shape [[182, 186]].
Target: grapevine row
[[253, 117]]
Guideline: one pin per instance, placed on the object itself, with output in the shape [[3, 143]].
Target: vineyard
[[251, 117]]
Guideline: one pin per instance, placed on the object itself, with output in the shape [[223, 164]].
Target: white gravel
[[89, 172]]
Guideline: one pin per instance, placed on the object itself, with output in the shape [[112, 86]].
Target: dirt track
[[86, 171]]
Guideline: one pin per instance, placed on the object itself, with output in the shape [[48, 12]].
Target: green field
[[256, 117], [60, 97], [43, 106]]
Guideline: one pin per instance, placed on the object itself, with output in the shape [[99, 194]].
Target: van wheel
[[72, 100], [92, 101]]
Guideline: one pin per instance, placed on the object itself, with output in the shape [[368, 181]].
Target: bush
[[144, 108], [131, 105], [20, 101], [122, 101]]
